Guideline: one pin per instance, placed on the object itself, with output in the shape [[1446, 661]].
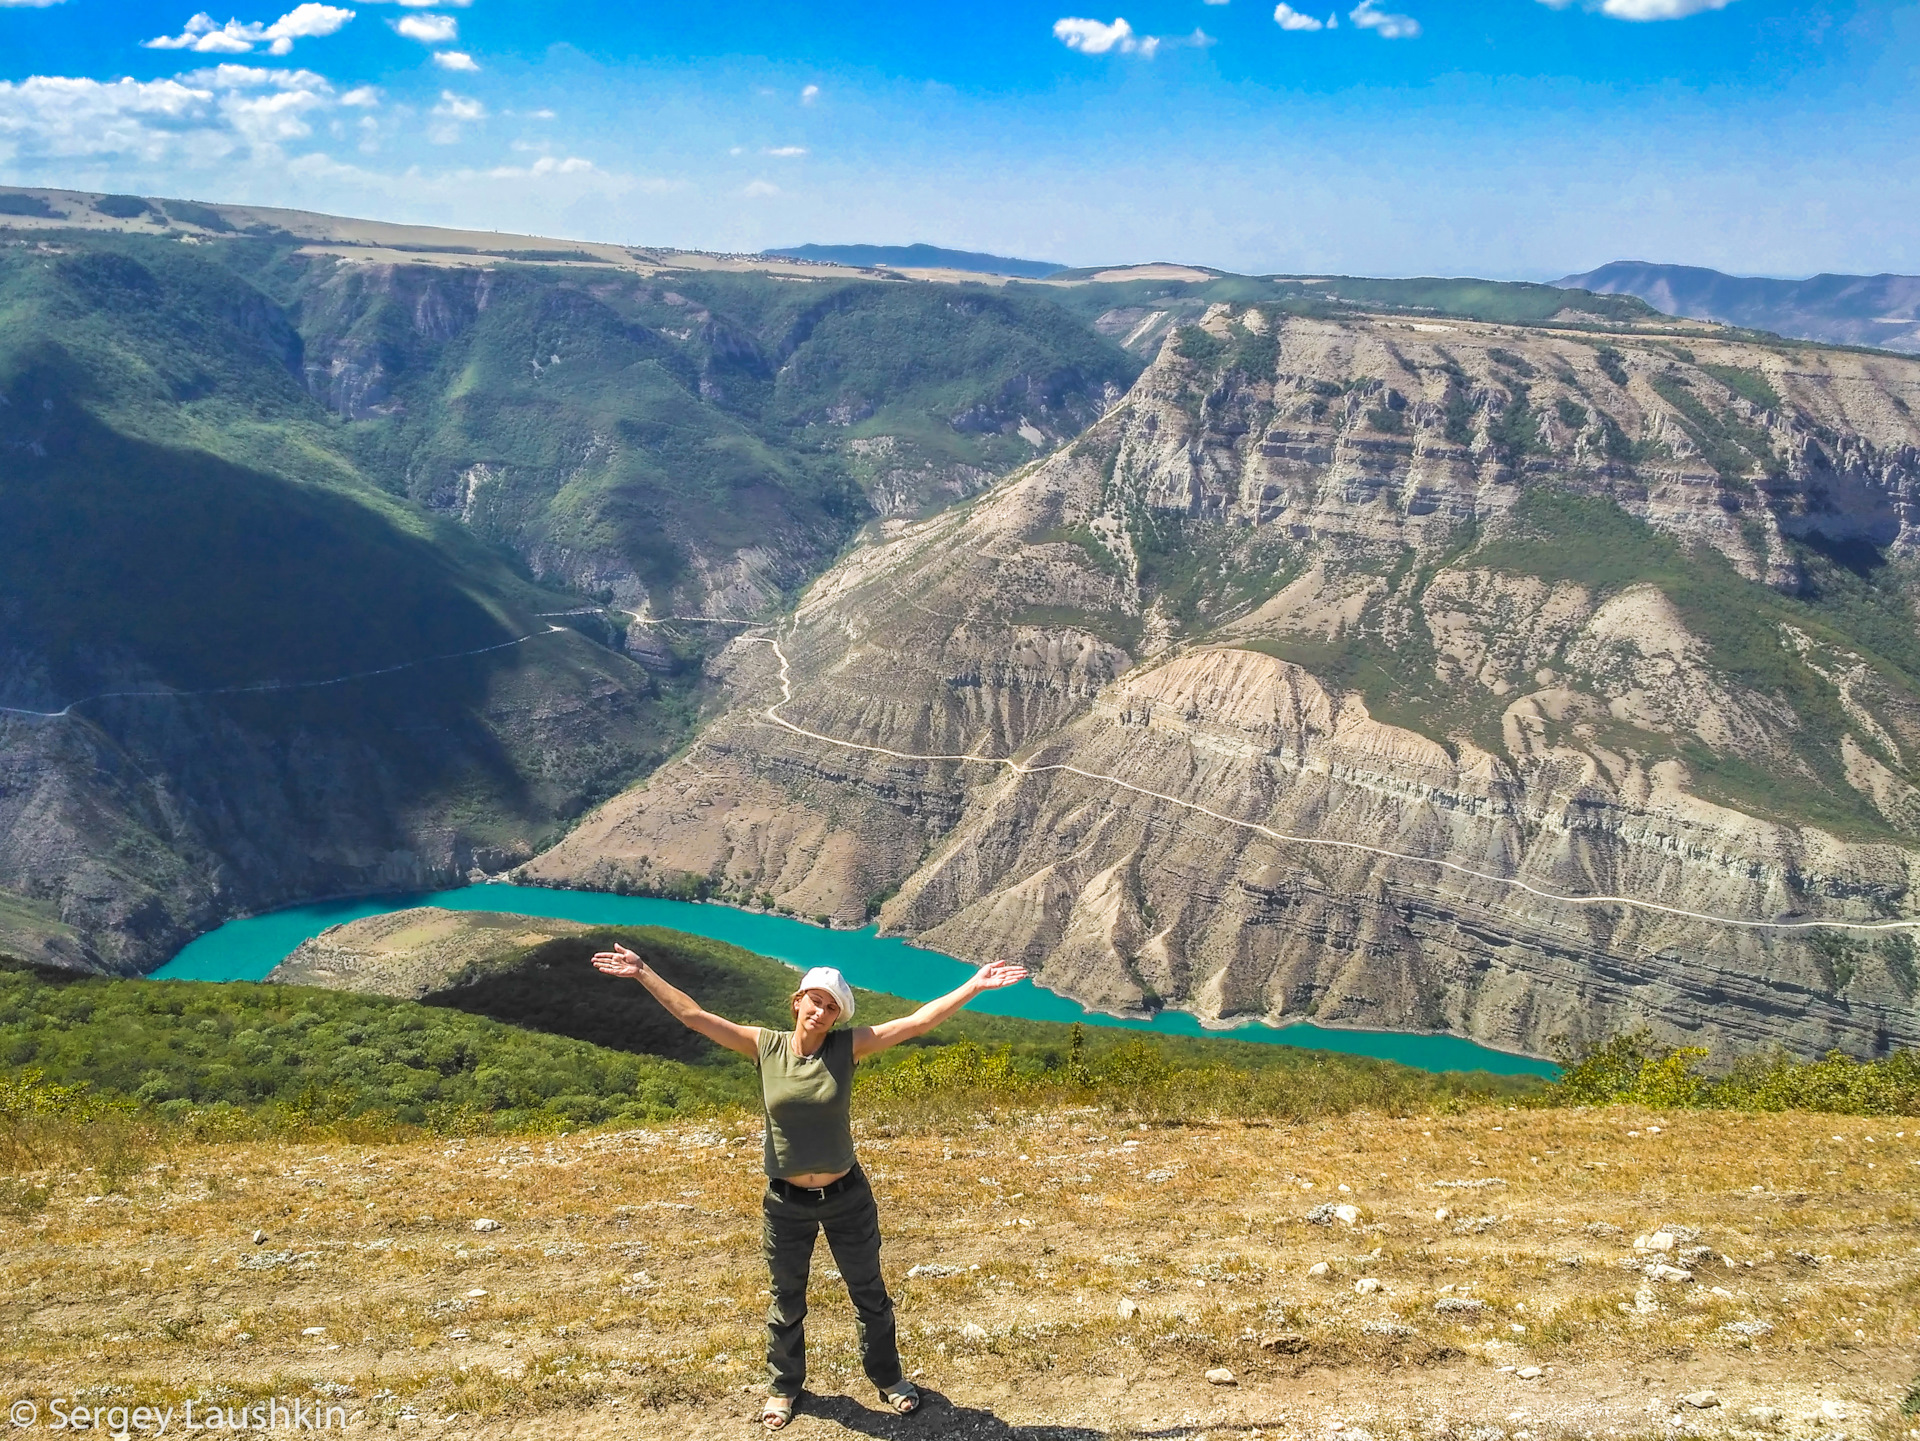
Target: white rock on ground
[[1701, 1400], [259, 1238], [1366, 1286], [1319, 1268], [484, 1224], [1220, 1376], [973, 1331], [1128, 1310]]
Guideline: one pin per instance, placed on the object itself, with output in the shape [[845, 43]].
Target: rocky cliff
[[1601, 611], [235, 672]]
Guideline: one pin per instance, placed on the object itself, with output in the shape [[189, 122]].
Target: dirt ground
[[1080, 1274]]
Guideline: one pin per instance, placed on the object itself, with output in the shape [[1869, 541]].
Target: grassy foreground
[[1067, 1273], [1081, 1224]]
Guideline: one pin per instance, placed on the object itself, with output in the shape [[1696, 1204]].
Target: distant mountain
[[1880, 310], [921, 257]]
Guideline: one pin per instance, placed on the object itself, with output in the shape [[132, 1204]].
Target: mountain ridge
[[918, 257], [1876, 310]]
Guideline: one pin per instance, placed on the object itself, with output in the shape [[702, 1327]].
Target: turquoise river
[[245, 950]]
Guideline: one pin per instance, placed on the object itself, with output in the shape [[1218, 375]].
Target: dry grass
[[623, 1293]]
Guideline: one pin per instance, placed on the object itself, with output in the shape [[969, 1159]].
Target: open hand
[[993, 976], [619, 962]]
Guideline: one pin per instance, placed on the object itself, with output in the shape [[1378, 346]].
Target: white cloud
[[1091, 37], [1289, 18], [1391, 27], [809, 94], [309, 21], [270, 119], [545, 165], [363, 96], [29, 4], [785, 152], [428, 29], [1649, 9], [456, 60], [228, 76], [303, 22], [210, 118], [757, 188], [459, 107], [204, 36]]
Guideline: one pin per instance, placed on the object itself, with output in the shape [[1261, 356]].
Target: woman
[[814, 1181]]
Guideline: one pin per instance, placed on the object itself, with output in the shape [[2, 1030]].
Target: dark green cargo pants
[[852, 1223]]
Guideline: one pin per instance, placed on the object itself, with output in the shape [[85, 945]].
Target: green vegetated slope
[[547, 1041], [635, 435], [232, 467], [1851, 601], [261, 646]]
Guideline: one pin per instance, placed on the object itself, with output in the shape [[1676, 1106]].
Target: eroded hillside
[[1606, 613], [298, 550]]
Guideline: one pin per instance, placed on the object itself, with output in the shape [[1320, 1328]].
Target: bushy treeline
[[1151, 1078], [186, 1046], [1635, 1069]]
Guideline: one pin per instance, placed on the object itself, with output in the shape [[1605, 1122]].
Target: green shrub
[[1156, 1078], [1634, 1069], [1195, 344], [14, 203], [121, 207], [310, 1059], [1748, 384], [1729, 445]]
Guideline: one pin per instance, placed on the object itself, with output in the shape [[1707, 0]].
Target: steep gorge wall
[[1319, 490]]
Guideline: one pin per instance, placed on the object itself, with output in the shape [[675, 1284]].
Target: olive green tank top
[[808, 1102]]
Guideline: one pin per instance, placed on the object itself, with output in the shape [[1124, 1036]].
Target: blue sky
[[1508, 138]]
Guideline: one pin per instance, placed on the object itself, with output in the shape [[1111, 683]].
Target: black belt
[[813, 1195]]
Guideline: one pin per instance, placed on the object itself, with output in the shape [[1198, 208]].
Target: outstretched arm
[[622, 962], [871, 1040]]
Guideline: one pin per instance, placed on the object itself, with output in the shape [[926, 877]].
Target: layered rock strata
[[1202, 608]]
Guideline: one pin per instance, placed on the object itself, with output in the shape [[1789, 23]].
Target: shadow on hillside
[[556, 989]]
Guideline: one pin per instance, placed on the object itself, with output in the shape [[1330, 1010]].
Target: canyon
[[1613, 614]]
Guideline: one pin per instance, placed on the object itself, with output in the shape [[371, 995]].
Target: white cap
[[826, 978]]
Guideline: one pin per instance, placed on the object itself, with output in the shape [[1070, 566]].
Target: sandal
[[778, 1412], [903, 1396]]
